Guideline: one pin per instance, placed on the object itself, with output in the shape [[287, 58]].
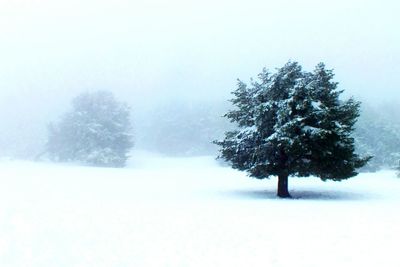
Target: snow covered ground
[[191, 212]]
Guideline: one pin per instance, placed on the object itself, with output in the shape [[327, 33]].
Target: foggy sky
[[152, 51]]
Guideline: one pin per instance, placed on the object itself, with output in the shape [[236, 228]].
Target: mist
[[152, 54]]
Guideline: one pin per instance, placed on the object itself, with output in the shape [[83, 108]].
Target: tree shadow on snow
[[301, 195]]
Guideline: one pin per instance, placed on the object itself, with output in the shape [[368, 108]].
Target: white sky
[[145, 50]]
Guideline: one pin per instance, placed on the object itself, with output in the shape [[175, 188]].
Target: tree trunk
[[283, 190]]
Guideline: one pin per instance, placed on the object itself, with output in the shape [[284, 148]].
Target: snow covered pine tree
[[292, 123], [97, 131]]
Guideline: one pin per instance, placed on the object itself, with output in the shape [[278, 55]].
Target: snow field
[[191, 212]]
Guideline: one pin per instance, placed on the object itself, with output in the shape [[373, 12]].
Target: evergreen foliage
[[97, 131], [292, 123]]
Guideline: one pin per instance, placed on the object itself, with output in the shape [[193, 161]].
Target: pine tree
[[292, 123], [97, 131]]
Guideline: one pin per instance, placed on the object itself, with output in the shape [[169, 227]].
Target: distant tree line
[[183, 128], [378, 134]]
